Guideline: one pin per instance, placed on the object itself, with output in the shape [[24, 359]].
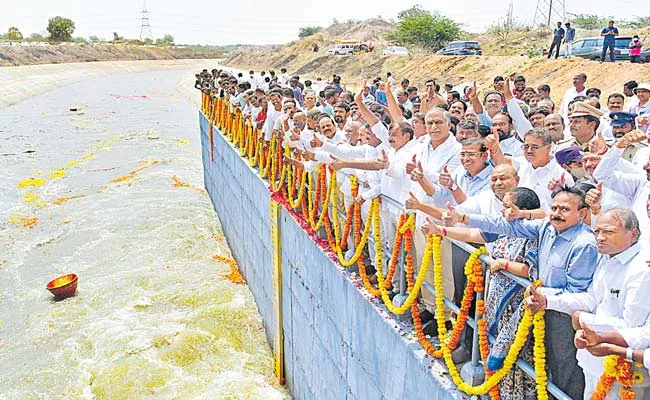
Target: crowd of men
[[457, 157]]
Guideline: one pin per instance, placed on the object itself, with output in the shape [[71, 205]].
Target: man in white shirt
[[536, 169], [636, 188], [617, 296], [503, 127], [395, 183], [272, 115], [631, 100], [643, 108], [284, 78], [578, 89]]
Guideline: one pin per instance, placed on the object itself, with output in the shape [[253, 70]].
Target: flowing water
[[112, 191]]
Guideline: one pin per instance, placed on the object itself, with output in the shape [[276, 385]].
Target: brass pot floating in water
[[64, 286]]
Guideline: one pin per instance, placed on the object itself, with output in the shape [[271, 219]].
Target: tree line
[[417, 26], [61, 29]]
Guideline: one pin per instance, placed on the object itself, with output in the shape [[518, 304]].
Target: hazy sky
[[256, 22]]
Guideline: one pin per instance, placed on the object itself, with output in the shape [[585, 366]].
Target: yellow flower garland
[[301, 190], [511, 358], [413, 294], [366, 230], [328, 195]]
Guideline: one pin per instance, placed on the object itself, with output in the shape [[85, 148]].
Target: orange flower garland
[[616, 369], [357, 241]]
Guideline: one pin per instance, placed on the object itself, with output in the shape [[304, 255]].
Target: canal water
[[103, 179]]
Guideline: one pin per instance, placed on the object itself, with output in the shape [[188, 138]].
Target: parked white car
[[396, 51]]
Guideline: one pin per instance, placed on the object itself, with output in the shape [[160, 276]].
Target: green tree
[[420, 27], [641, 22], [117, 37], [36, 36], [148, 41], [167, 40], [589, 21], [93, 39], [308, 31], [414, 11], [14, 34], [80, 39], [61, 29]]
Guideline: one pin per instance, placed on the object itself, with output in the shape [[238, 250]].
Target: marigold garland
[[325, 190], [374, 210], [234, 276], [412, 296], [244, 136], [615, 369], [513, 352], [301, 190], [463, 314]]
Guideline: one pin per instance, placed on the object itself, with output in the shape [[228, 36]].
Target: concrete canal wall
[[337, 343]]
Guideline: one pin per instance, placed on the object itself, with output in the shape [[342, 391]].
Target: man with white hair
[[616, 298]]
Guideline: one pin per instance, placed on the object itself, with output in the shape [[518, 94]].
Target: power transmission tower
[[549, 11], [145, 26]]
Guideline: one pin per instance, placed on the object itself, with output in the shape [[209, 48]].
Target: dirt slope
[[66, 53]]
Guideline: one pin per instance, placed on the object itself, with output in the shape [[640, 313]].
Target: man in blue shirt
[[567, 254], [558, 35], [568, 39], [609, 38]]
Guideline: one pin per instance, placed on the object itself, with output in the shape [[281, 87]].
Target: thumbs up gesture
[[556, 183], [430, 228], [598, 145], [473, 92], [445, 178], [535, 301], [417, 174], [492, 142], [316, 142], [412, 203], [450, 216], [383, 160], [410, 166], [594, 198], [507, 92]]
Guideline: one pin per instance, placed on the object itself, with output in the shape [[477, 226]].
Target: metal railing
[[474, 368]]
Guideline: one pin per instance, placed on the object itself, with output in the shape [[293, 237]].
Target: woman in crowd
[[504, 304]]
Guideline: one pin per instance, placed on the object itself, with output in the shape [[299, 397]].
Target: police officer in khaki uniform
[[584, 120], [623, 123]]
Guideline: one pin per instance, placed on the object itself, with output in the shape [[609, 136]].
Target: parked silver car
[[591, 48]]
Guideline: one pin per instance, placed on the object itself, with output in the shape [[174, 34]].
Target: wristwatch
[[454, 187]]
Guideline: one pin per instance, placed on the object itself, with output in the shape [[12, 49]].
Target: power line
[[547, 10], [145, 26]]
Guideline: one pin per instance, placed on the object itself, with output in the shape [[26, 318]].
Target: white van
[[344, 49]]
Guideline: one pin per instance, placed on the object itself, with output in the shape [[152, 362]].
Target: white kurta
[[616, 298]]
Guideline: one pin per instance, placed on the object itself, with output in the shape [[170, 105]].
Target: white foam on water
[[153, 317]]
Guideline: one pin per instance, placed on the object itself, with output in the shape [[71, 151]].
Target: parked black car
[[461, 48], [591, 48]]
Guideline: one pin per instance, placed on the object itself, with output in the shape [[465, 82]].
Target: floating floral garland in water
[[234, 276]]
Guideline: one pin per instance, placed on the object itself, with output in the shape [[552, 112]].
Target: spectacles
[[533, 147], [469, 154]]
